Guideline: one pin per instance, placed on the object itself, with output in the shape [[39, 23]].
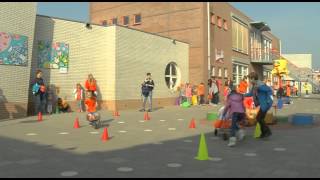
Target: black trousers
[[260, 118]]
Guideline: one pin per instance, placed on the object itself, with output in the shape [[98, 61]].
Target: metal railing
[[262, 55]]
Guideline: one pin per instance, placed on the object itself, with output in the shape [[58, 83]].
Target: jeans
[[149, 97], [260, 119], [201, 99], [215, 99], [40, 103], [79, 102], [236, 118]]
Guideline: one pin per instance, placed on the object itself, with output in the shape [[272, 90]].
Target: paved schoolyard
[[161, 147]]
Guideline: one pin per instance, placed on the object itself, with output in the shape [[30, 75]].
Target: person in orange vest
[[288, 91], [243, 85]]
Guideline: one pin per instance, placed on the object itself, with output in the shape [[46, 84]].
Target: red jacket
[[91, 86]]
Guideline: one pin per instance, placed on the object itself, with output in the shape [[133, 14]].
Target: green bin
[[211, 116]]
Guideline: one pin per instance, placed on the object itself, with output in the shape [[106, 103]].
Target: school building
[[67, 51], [224, 42]]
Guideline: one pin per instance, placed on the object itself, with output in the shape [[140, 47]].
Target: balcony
[[263, 57]]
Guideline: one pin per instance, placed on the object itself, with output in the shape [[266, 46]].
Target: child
[[235, 108], [194, 96], [201, 89], [188, 92], [226, 91], [91, 103], [49, 100], [63, 106], [78, 95], [182, 93]]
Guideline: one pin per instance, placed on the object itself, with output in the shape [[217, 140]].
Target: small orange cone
[[76, 124], [39, 116], [116, 113], [192, 124], [146, 116], [105, 135]]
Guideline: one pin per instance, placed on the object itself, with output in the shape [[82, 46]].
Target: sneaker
[[142, 110], [232, 141], [240, 134]]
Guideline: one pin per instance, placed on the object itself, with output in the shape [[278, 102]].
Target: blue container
[[302, 119]]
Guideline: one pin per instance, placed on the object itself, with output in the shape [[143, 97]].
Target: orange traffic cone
[[116, 113], [146, 116], [39, 116], [105, 135], [192, 124], [76, 124]]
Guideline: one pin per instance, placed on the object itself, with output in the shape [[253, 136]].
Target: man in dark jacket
[[39, 93], [262, 95], [147, 88]]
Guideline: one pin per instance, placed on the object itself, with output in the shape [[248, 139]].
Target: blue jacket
[[264, 97]]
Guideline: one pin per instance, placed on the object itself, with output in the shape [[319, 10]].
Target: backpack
[[145, 90]]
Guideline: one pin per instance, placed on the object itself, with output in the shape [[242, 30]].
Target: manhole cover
[[250, 154], [280, 149], [174, 165], [125, 169], [69, 173]]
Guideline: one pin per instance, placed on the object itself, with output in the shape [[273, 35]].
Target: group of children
[[193, 94], [88, 99]]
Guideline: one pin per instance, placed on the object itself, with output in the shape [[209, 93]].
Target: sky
[[295, 23]]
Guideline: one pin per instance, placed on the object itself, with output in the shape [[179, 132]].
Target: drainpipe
[[209, 48]]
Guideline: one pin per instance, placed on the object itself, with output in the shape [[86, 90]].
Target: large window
[[238, 72], [137, 19], [172, 75], [267, 49], [240, 36], [125, 20]]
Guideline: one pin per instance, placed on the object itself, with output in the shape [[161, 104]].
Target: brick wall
[[16, 18]]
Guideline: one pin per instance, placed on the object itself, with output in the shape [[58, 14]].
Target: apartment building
[[224, 42]]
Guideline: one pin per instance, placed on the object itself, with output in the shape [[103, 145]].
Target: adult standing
[[262, 97], [214, 91], [91, 84], [147, 88], [39, 92]]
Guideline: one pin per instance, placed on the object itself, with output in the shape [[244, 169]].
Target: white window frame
[[171, 77]]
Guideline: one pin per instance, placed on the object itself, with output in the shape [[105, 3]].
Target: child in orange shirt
[[91, 103], [201, 92]]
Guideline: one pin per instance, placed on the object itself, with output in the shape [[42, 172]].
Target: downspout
[[209, 48]]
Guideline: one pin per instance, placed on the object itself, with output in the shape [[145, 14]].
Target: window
[[238, 72], [219, 19], [125, 20], [104, 23], [225, 25], [220, 72], [137, 19], [213, 73], [172, 75], [240, 37], [225, 72], [114, 21], [213, 21]]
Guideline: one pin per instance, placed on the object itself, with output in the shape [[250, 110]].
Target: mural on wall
[[13, 49], [53, 55], [44, 54]]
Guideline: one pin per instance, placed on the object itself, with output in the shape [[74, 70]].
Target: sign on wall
[[53, 55], [13, 49], [219, 55]]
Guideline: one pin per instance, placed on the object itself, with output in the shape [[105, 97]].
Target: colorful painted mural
[[53, 55], [44, 54], [13, 49], [60, 54]]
